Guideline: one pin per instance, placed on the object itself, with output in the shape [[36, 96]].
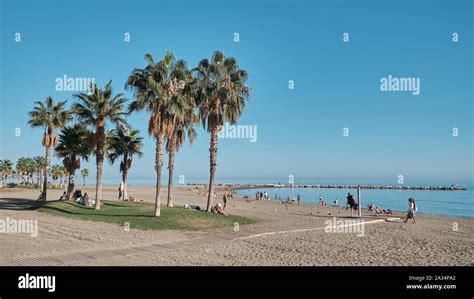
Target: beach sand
[[284, 235]]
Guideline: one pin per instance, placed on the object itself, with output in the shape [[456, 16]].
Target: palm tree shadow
[[87, 211], [17, 204]]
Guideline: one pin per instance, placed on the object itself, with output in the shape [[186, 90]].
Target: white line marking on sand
[[302, 230]]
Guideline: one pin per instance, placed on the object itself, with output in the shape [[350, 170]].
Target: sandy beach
[[283, 235]]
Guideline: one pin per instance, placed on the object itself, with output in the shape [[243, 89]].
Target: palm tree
[[30, 169], [124, 142], [84, 174], [96, 110], [25, 168], [56, 173], [6, 169], [221, 98], [19, 168], [49, 116], [39, 164], [72, 146], [183, 119], [154, 86]]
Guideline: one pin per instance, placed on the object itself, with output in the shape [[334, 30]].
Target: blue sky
[[300, 131]]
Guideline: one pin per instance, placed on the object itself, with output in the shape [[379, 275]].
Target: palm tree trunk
[[213, 164], [70, 184], [158, 166], [46, 169], [170, 176], [124, 176], [98, 183], [40, 180], [125, 193], [99, 164], [84, 182]]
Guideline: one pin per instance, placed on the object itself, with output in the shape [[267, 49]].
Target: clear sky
[[300, 131]]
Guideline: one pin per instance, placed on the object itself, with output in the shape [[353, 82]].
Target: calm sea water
[[448, 203]]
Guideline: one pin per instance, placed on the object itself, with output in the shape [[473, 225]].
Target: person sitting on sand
[[63, 197], [411, 213], [84, 200], [135, 199], [370, 207], [218, 209]]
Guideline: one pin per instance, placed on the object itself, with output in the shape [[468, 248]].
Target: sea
[[447, 203]]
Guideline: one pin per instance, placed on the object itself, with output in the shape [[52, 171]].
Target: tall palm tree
[[96, 110], [72, 147], [221, 98], [126, 143], [154, 86], [51, 117], [183, 119], [39, 164], [6, 169], [84, 174]]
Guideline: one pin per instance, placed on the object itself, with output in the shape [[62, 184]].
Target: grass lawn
[[141, 215]]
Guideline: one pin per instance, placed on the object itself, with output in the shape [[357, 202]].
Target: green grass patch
[[141, 215]]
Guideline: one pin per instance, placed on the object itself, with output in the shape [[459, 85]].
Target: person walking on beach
[[299, 198], [321, 200], [411, 213], [120, 191], [336, 203], [225, 198], [351, 203]]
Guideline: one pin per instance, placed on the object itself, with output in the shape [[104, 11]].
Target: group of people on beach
[[82, 199], [262, 195], [352, 205]]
